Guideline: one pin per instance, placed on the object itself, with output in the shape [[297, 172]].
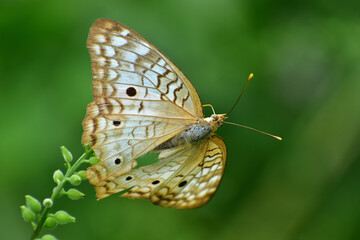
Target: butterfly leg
[[209, 105]]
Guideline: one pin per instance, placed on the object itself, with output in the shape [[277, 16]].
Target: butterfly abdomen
[[195, 133]]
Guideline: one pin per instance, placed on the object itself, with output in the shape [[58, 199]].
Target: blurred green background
[[306, 59]]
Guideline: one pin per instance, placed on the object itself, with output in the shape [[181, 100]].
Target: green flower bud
[[50, 222], [27, 214], [66, 154], [47, 202], [74, 194], [33, 203], [75, 180], [63, 217], [58, 176], [48, 237], [93, 160], [82, 174]]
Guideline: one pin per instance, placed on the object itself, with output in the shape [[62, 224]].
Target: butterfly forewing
[[121, 56]]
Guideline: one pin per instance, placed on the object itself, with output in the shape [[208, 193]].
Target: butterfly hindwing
[[183, 178], [195, 187]]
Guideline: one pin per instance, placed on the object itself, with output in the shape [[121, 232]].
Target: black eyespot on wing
[[128, 178], [117, 161], [131, 91], [183, 183], [155, 182], [116, 123]]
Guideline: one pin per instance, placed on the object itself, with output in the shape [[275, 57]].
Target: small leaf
[[50, 222], [74, 194], [27, 214], [66, 154], [63, 217], [75, 179], [58, 176], [47, 202], [33, 203]]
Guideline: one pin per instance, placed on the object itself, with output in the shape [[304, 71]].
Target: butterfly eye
[[183, 183], [117, 161], [131, 91], [128, 178], [155, 182], [116, 123]]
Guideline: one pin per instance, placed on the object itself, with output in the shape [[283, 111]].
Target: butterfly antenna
[[242, 92], [271, 135]]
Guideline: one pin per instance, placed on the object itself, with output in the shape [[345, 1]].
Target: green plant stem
[[57, 190]]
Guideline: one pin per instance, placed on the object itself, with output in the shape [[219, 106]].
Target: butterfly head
[[215, 121]]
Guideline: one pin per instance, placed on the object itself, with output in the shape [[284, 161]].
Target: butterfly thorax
[[195, 133]]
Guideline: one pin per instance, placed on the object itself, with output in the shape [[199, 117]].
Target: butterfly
[[143, 103]]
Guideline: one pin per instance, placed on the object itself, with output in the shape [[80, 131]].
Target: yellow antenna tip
[[278, 138], [250, 76]]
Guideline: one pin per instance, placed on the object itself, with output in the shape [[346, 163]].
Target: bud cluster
[[31, 211]]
